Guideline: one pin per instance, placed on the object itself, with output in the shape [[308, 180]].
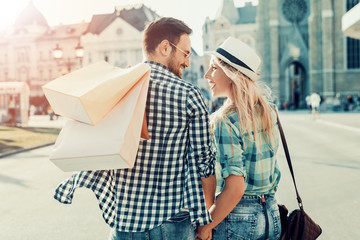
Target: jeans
[[247, 220], [178, 227]]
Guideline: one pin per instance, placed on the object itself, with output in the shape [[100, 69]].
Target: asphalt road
[[325, 155]]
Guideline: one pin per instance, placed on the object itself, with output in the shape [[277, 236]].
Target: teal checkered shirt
[[237, 154]]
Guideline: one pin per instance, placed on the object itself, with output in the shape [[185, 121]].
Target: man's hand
[[204, 233]]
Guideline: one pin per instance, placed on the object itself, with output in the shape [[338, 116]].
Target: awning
[[351, 22]]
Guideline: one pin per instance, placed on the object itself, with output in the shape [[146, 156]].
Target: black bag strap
[[287, 154]]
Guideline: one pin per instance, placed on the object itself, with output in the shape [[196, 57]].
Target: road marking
[[338, 125]]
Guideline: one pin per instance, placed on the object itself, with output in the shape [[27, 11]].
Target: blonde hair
[[251, 100]]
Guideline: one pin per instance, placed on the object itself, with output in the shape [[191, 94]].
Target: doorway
[[295, 86]]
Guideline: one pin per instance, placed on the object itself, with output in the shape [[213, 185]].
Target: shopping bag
[[88, 94], [110, 144]]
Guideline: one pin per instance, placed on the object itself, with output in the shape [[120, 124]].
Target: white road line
[[353, 129]]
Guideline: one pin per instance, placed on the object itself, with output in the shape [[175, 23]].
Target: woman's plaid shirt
[[237, 154], [169, 166]]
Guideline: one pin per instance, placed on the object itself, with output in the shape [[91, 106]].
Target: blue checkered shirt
[[237, 154], [167, 173]]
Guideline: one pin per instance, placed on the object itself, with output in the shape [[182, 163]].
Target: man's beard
[[175, 68]]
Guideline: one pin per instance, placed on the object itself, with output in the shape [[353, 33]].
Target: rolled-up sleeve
[[199, 134], [229, 149]]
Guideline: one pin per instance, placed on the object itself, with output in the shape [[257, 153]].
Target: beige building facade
[[238, 22]]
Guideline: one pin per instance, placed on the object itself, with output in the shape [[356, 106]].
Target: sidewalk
[[41, 121]]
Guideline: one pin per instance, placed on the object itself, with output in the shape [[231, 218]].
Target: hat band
[[233, 59]]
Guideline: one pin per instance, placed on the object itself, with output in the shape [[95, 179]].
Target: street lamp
[[57, 52], [79, 52], [58, 55]]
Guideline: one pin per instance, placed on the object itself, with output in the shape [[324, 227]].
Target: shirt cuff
[[225, 172]]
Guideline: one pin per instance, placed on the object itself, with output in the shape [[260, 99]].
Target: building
[[238, 22], [230, 21], [26, 49], [117, 37], [304, 51], [35, 53]]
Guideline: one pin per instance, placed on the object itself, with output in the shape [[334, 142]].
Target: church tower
[[304, 50]]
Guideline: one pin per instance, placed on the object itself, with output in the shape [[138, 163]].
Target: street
[[326, 160]]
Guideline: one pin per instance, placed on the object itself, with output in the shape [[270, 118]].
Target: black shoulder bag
[[298, 225]]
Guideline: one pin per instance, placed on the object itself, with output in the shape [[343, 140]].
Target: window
[[202, 71], [41, 74], [138, 55], [50, 74], [350, 4], [123, 61], [119, 31], [353, 53], [106, 56], [90, 58], [352, 45]]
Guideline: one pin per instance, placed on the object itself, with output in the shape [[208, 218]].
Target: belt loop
[[263, 203]]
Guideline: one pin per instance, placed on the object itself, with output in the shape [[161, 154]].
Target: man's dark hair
[[163, 28]]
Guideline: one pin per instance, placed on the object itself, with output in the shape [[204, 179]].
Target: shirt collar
[[162, 68]]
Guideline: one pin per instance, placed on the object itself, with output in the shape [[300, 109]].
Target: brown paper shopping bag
[[110, 144], [88, 94]]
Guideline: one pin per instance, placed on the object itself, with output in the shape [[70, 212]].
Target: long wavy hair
[[251, 100]]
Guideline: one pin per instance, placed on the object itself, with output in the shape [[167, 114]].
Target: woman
[[246, 136]]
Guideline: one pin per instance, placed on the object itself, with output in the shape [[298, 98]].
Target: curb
[[9, 153]]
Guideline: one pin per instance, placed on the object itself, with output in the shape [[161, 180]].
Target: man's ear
[[165, 48]]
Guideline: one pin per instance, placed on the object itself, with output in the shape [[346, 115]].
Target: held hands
[[204, 233]]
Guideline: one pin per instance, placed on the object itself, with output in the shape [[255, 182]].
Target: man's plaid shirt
[[169, 166]]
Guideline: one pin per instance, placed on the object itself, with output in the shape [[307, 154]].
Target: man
[[161, 197]]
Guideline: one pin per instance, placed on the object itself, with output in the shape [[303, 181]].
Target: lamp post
[[79, 52], [58, 55]]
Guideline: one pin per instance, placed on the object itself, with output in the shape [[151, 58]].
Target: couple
[[170, 192]]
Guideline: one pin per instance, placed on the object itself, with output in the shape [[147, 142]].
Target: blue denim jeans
[[247, 220], [178, 227]]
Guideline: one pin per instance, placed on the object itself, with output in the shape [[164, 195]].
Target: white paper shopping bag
[[110, 144], [88, 94]]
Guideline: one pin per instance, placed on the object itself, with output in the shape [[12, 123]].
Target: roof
[[136, 15], [65, 31], [228, 10], [29, 16], [99, 22], [247, 14]]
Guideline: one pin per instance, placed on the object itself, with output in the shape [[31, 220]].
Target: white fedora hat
[[238, 55]]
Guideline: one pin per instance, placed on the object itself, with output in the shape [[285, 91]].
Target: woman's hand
[[204, 233]]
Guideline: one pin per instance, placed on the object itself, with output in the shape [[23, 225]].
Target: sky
[[192, 12]]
